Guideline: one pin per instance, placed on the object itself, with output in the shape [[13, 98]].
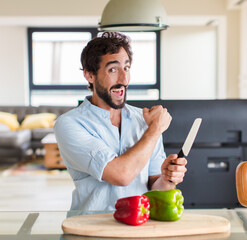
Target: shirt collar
[[102, 112]]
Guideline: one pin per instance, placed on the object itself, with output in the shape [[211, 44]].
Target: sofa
[[14, 144]]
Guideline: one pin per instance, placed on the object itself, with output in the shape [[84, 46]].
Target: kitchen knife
[[190, 138]]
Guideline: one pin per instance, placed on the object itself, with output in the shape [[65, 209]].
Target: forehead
[[120, 56]]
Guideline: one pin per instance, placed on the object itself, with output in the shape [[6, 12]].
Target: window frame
[[94, 32]]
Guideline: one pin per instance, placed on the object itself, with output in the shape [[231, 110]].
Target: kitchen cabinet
[[210, 179], [221, 144]]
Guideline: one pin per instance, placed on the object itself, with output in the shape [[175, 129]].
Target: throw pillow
[[10, 120], [39, 120]]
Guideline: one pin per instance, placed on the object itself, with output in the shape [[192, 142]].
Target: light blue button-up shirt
[[87, 141]]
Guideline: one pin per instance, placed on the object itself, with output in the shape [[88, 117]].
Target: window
[[54, 65], [56, 58], [143, 69]]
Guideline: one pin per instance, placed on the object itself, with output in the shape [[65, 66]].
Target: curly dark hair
[[108, 42]]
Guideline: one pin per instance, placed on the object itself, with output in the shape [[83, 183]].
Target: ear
[[89, 76]]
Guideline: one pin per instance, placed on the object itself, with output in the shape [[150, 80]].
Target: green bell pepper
[[165, 205]]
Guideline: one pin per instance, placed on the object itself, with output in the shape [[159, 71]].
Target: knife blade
[[190, 138]]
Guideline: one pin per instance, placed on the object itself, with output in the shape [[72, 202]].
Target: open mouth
[[118, 92]]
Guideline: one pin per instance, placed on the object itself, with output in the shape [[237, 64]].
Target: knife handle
[[181, 154]]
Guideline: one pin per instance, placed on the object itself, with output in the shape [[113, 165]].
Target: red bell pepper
[[132, 210]]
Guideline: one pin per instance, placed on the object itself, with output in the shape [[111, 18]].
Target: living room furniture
[[52, 156], [47, 225], [14, 144]]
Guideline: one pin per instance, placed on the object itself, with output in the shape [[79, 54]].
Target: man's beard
[[106, 97]]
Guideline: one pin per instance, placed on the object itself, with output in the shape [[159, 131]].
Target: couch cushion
[[9, 120], [21, 111], [14, 138], [58, 110], [39, 133], [39, 120]]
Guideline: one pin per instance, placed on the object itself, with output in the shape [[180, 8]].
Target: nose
[[124, 77]]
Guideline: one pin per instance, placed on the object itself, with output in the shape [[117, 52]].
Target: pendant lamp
[[133, 16]]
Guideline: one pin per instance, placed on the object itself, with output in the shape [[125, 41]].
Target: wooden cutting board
[[104, 225]]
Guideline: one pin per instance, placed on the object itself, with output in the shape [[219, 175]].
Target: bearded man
[[111, 149]]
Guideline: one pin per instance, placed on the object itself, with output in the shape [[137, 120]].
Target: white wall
[[243, 53], [194, 78], [13, 66], [52, 8]]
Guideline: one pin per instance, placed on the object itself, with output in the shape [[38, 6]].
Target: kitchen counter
[[47, 225]]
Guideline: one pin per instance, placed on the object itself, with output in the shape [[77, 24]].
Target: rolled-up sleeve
[[81, 150], [157, 158]]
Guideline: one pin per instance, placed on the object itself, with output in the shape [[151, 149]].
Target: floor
[[41, 192]]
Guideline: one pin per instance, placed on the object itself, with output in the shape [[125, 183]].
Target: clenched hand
[[173, 169], [158, 118]]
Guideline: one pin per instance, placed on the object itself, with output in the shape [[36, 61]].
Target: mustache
[[118, 86]]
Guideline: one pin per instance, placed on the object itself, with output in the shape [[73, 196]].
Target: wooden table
[[52, 155]]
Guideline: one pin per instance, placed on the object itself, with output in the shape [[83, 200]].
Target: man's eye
[[112, 70], [127, 68]]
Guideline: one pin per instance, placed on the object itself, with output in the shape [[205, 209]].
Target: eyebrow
[[116, 62]]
